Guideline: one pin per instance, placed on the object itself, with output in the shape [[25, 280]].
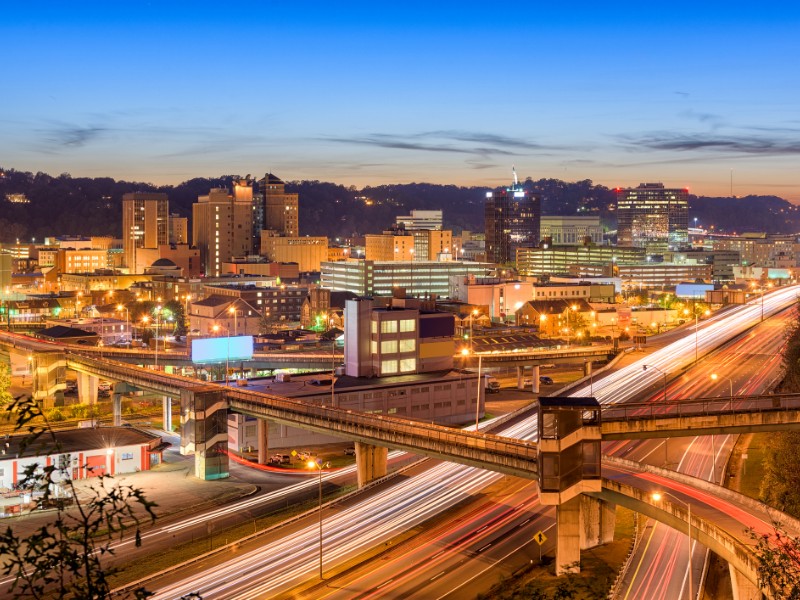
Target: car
[[351, 451], [545, 380], [527, 382], [280, 459]]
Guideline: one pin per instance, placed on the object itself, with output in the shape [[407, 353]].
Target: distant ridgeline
[[36, 205]]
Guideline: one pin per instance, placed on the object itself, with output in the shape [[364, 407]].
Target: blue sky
[[371, 93]]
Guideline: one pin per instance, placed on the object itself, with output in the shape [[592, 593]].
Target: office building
[[512, 218], [178, 229], [558, 259], [500, 297], [418, 278], [421, 219], [308, 252], [407, 336], [573, 229], [221, 229], [145, 224], [280, 207], [653, 217]]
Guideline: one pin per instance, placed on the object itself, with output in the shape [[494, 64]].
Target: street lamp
[[235, 314], [714, 377], [466, 352], [120, 308], [657, 497], [542, 321], [666, 439], [316, 464], [472, 316]]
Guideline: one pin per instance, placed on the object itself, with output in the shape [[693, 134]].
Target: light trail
[[278, 565]]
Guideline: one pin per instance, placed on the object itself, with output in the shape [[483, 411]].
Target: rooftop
[[77, 440]]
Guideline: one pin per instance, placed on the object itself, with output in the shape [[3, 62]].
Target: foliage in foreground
[[778, 556], [63, 558]]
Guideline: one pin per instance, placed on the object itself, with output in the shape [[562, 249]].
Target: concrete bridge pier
[[87, 388], [116, 408], [587, 368], [521, 377], [568, 536], [743, 588], [598, 519], [204, 430], [370, 462], [262, 439], [166, 412], [535, 379]]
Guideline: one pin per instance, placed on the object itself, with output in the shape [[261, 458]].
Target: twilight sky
[[383, 92]]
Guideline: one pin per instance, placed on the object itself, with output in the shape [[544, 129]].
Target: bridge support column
[[598, 519], [535, 378], [87, 388], [166, 412], [743, 588], [370, 462], [568, 538], [587, 368], [204, 431], [521, 378], [262, 439], [116, 408]]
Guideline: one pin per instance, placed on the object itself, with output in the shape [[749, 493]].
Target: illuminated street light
[[215, 328]]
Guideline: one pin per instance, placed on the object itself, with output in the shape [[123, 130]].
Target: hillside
[[64, 205]]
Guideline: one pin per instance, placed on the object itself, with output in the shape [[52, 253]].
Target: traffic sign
[[540, 538]]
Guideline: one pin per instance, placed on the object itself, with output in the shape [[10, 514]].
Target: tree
[[5, 385], [778, 559], [63, 559]]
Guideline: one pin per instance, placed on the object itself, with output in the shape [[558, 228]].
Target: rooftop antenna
[[514, 172]]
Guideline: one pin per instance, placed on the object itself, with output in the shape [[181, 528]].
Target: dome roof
[[164, 262]]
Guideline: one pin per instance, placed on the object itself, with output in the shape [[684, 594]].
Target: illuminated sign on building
[[221, 349]]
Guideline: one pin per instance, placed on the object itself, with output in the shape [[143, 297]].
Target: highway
[[746, 366], [279, 565]]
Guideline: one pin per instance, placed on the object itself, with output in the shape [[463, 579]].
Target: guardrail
[[392, 431], [700, 407]]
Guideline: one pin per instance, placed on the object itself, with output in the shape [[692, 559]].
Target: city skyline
[[700, 97]]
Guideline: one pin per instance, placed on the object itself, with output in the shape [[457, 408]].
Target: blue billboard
[[221, 349]]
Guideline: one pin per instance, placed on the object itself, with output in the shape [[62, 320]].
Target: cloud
[[454, 141], [715, 121], [748, 145], [72, 136]]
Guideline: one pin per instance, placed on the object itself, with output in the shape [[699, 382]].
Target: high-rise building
[[512, 219], [653, 217], [178, 229], [421, 219], [280, 208], [573, 229], [221, 228], [145, 224]]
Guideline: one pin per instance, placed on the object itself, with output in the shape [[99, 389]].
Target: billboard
[[221, 349]]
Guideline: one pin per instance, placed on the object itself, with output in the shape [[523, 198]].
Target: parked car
[[545, 380], [351, 451], [280, 459]]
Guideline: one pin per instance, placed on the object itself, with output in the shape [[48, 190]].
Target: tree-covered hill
[[66, 205]]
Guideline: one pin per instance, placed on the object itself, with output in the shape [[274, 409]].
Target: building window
[[389, 327], [126, 456], [408, 325], [408, 345], [373, 347], [389, 347], [388, 367], [408, 364], [374, 327]]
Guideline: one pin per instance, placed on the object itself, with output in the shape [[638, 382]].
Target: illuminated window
[[407, 325], [390, 327], [374, 327], [388, 367], [408, 345], [408, 364], [373, 347], [389, 346]]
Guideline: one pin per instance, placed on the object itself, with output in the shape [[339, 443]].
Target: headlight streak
[[266, 570]]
